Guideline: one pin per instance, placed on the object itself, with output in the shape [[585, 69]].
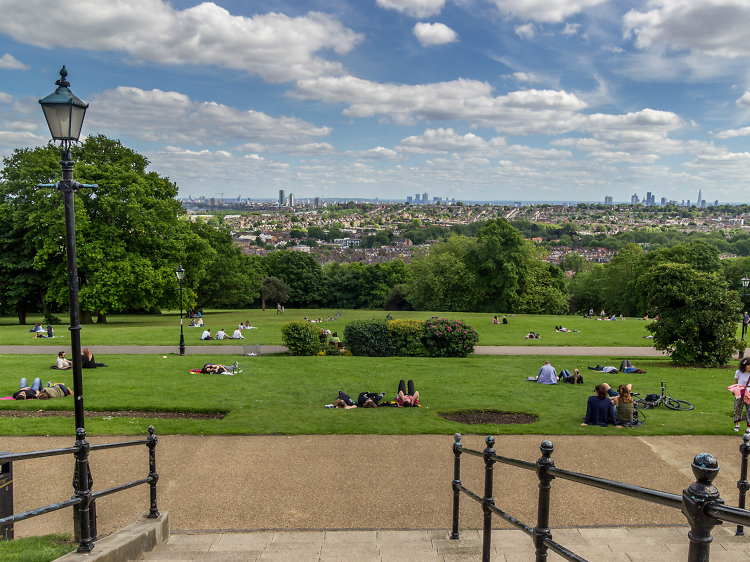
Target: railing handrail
[[84, 495], [700, 502], [12, 457]]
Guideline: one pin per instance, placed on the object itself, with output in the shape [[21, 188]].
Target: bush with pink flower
[[449, 338]]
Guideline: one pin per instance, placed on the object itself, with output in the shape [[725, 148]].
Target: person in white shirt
[[221, 334], [238, 335], [206, 335], [63, 363], [740, 389]]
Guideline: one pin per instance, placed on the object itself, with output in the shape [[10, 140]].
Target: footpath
[[382, 497], [221, 349]]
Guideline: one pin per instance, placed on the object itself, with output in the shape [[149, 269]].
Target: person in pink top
[[407, 399], [740, 391]]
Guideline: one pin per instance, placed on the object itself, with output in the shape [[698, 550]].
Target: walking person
[[745, 322]]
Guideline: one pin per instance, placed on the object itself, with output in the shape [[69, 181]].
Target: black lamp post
[[745, 283], [180, 276], [64, 113]]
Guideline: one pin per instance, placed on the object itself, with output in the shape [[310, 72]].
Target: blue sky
[[474, 99]]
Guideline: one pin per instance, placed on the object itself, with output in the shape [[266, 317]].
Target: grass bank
[[286, 395], [164, 329], [36, 549]]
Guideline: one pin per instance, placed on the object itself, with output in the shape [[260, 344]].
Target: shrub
[[369, 338], [449, 338], [301, 337], [408, 336]]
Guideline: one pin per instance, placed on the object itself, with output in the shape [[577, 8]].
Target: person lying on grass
[[27, 392], [217, 369], [599, 410], [407, 399], [54, 390]]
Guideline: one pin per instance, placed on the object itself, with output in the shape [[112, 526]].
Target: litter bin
[[250, 350], [6, 499]]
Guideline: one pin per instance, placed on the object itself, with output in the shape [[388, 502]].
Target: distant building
[[291, 199], [317, 202], [212, 202], [281, 198], [663, 201], [409, 199], [416, 198], [425, 198], [634, 199], [435, 200], [608, 200]]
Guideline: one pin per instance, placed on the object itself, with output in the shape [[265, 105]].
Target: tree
[[302, 273], [275, 289], [575, 262], [697, 314], [130, 230]]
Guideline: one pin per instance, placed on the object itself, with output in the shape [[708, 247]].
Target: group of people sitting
[[196, 323], [36, 391], [87, 361], [496, 321], [607, 406], [40, 332], [222, 335], [548, 375], [407, 397]]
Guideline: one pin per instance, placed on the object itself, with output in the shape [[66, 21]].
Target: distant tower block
[[281, 198]]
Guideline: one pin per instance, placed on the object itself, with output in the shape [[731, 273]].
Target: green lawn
[[285, 395], [36, 549], [164, 329]]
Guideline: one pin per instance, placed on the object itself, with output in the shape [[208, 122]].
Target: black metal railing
[[82, 483], [700, 502]]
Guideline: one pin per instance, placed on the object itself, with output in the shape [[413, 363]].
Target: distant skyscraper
[[291, 199], [634, 199], [425, 198], [281, 198], [416, 198], [663, 201], [317, 202], [409, 199], [608, 200], [700, 195]]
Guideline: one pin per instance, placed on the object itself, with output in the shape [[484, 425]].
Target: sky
[[499, 100]]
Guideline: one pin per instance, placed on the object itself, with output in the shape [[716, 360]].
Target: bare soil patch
[[122, 414], [484, 417]]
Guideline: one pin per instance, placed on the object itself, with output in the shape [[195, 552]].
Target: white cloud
[[429, 34], [744, 101], [641, 131], [5, 98], [529, 77], [715, 28], [571, 28], [524, 112], [584, 145], [551, 11], [745, 131], [526, 30], [444, 141], [619, 157], [277, 47], [414, 8], [9, 62], [613, 49], [377, 153], [173, 117], [21, 139]]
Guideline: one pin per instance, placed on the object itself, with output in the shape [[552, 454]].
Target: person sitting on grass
[[50, 333], [238, 334], [624, 404], [547, 374], [217, 369], [88, 361], [54, 390], [599, 410], [221, 334], [505, 320], [63, 363], [335, 338], [28, 392], [206, 335], [495, 321], [407, 399]]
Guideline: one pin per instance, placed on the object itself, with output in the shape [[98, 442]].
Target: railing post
[[487, 500], [83, 491], [694, 499], [742, 484], [541, 531], [6, 499], [152, 441], [457, 450]]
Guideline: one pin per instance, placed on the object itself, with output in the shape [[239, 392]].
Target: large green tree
[[302, 273], [697, 314]]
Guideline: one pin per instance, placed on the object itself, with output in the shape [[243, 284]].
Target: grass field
[[286, 395], [164, 329], [36, 549]]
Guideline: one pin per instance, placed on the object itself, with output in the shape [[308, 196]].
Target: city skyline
[[477, 100]]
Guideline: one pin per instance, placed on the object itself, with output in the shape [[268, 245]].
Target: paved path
[[634, 544], [222, 349], [361, 482]]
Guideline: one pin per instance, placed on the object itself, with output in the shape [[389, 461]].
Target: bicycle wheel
[[681, 405]]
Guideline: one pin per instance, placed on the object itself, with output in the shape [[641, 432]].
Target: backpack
[[652, 397]]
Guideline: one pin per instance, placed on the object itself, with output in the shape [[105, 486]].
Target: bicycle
[[668, 401]]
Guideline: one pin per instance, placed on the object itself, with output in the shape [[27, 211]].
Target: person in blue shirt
[[547, 374], [599, 409]]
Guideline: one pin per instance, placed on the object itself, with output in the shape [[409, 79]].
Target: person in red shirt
[[407, 399]]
